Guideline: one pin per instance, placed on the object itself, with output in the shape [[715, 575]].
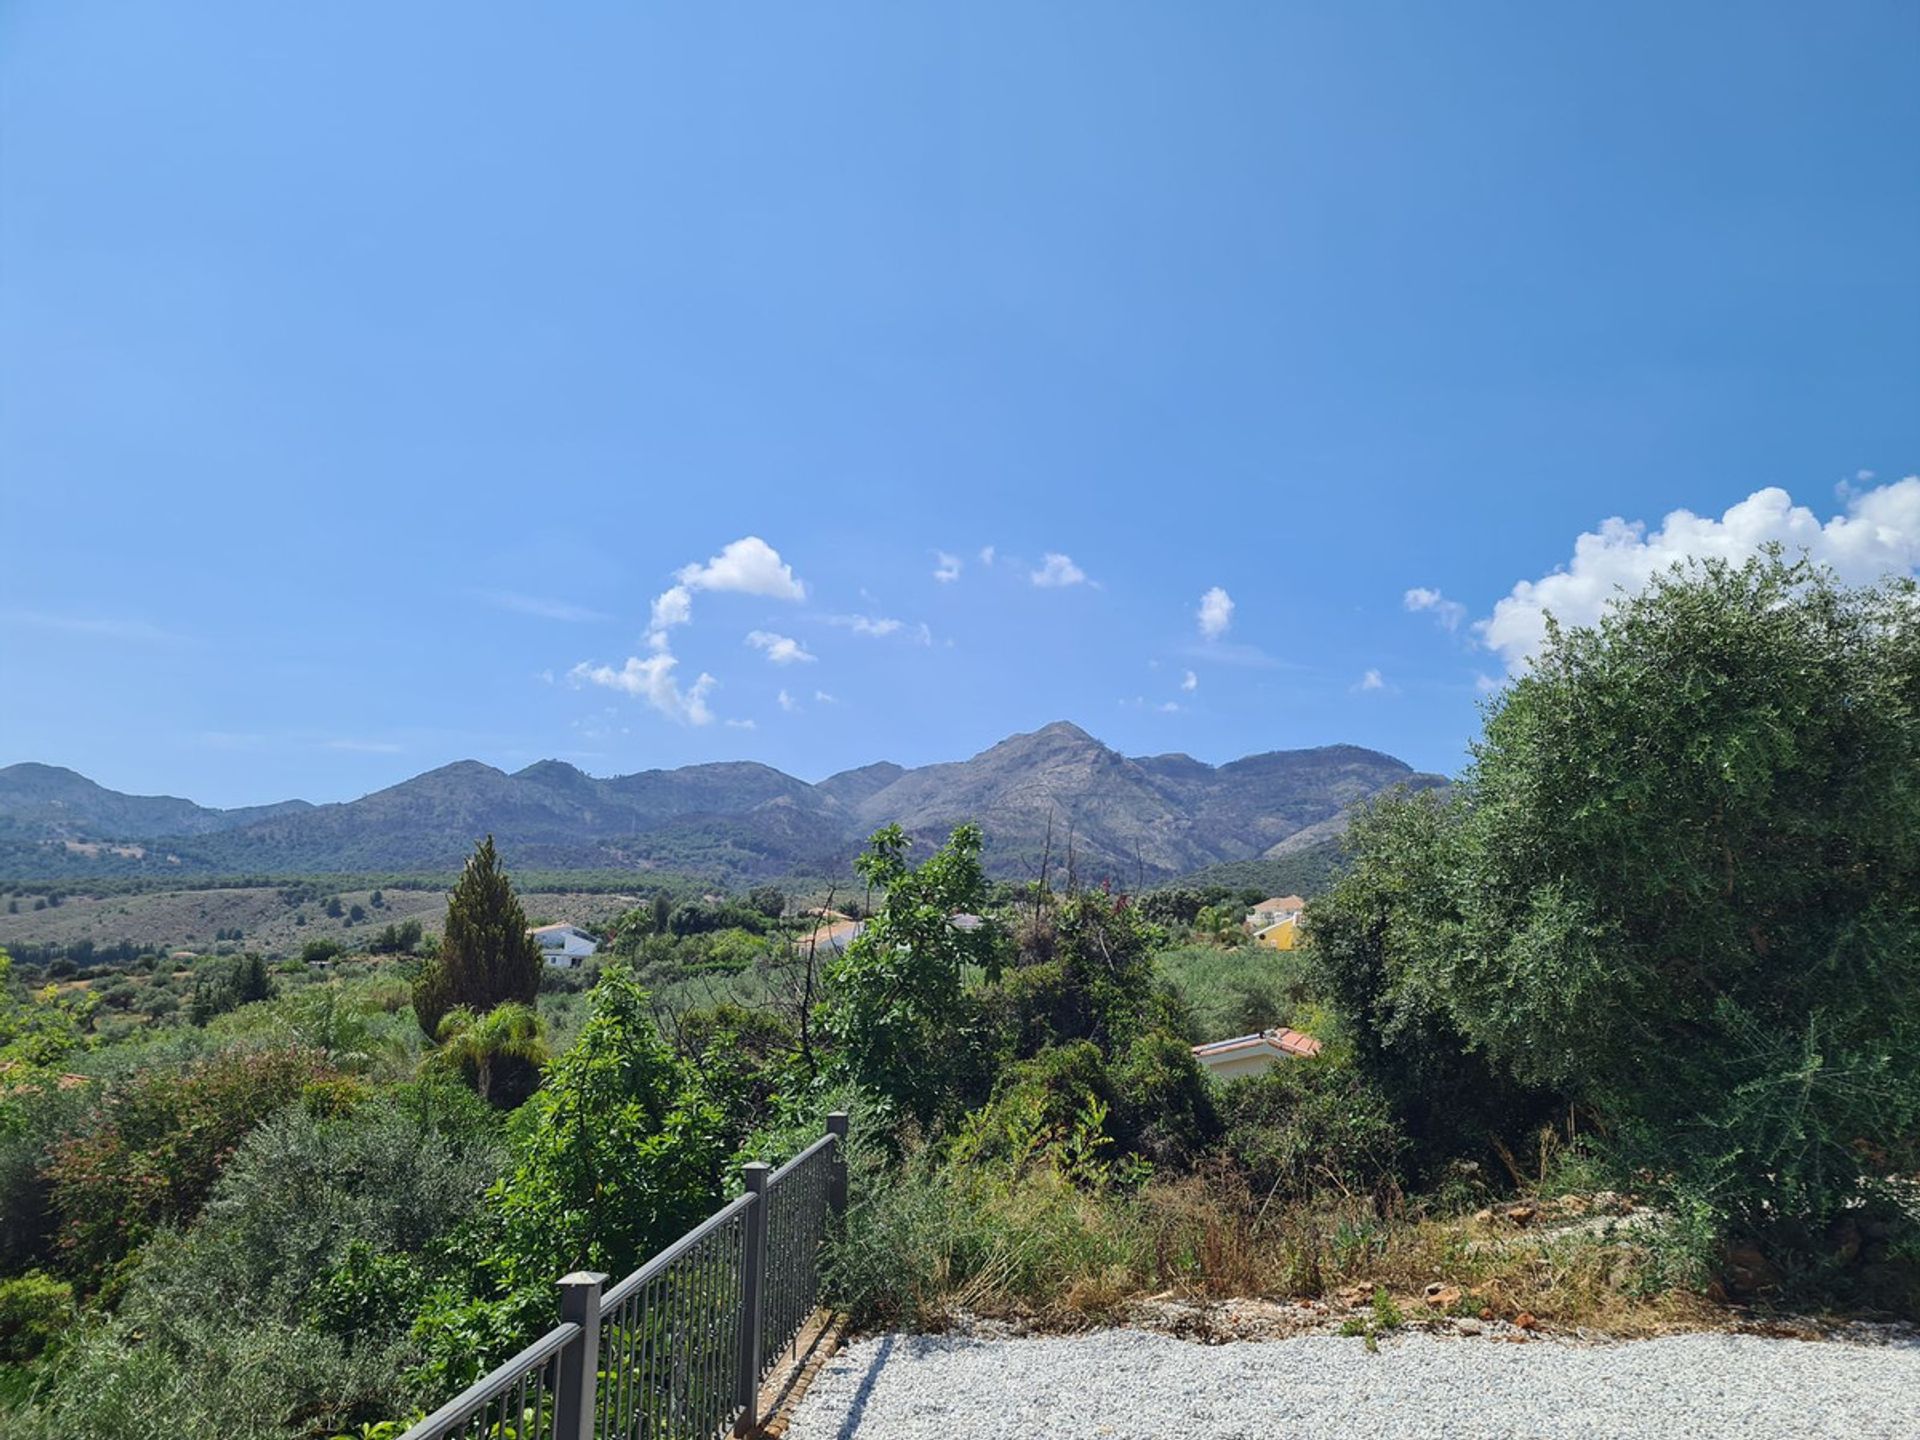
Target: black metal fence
[[679, 1349]]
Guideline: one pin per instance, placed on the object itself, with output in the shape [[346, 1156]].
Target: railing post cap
[[584, 1277], [755, 1173], [837, 1123]]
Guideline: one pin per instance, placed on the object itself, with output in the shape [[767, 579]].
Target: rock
[[1483, 1217], [1522, 1214], [1748, 1272], [1469, 1327]]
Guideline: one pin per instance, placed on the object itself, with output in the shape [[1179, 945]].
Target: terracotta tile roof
[[1282, 902]]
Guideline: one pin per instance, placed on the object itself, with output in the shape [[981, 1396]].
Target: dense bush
[[158, 1145], [35, 1311], [1314, 1128], [1680, 885]]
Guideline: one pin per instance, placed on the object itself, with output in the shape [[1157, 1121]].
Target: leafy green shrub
[[35, 1311], [1312, 1127]]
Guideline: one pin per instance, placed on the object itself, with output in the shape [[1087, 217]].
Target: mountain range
[[1057, 791]]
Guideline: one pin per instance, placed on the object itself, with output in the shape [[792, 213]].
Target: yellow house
[[1281, 935]]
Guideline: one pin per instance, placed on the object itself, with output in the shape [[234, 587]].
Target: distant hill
[[56, 803], [1056, 791]]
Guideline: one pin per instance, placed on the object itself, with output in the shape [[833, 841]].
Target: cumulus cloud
[[670, 607], [1190, 681], [1447, 613], [743, 725], [1878, 535], [1057, 570], [1216, 613], [824, 698], [652, 680], [779, 649], [986, 556], [1372, 680], [1168, 707], [788, 703], [946, 568], [746, 567]]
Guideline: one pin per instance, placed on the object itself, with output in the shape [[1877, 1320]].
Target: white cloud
[[1878, 535], [652, 680], [881, 626], [986, 556], [824, 698], [1057, 570], [1485, 684], [946, 568], [1190, 681], [742, 725], [1168, 707], [746, 567], [780, 649], [1216, 613], [788, 703], [1447, 613], [670, 607], [541, 607], [1372, 680]]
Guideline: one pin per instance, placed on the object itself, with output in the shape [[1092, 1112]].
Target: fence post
[[753, 1278], [837, 1164], [573, 1395]]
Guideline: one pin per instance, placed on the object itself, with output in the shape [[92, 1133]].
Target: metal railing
[[679, 1349]]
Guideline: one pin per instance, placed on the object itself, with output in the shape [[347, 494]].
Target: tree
[[621, 1155], [318, 952], [505, 1045], [896, 1006], [1680, 885], [769, 900], [486, 957]]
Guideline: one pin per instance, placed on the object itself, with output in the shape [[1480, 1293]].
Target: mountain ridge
[[1054, 795]]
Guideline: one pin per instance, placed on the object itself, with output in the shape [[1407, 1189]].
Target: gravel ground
[[1132, 1385]]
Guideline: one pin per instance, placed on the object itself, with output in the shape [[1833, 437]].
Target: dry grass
[[1053, 1257]]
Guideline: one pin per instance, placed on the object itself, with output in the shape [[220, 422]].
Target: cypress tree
[[486, 958]]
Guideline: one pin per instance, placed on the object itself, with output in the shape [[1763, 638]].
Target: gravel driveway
[[1134, 1385]]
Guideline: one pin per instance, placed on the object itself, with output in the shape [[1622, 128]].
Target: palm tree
[[474, 1046]]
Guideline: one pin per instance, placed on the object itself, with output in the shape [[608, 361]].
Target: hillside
[[1056, 790]]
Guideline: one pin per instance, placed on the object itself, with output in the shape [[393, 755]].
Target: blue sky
[[369, 371]]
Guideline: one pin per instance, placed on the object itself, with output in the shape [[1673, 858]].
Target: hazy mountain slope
[[63, 803], [1057, 789]]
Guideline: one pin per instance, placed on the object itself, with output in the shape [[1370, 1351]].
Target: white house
[[564, 945], [1251, 1054], [1274, 911]]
